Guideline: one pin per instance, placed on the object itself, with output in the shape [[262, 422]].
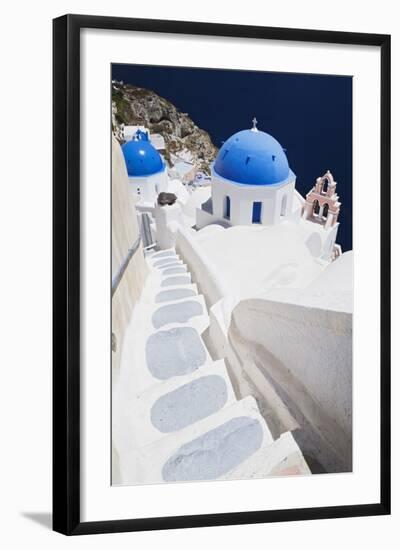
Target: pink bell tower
[[322, 202]]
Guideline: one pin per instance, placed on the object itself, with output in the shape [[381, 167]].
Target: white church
[[235, 289]]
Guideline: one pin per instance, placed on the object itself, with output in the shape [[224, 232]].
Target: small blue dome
[[252, 157], [141, 158]]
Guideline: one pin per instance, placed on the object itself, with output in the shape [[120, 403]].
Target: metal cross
[[254, 123]]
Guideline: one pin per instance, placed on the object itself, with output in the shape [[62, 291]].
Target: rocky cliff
[[183, 138]]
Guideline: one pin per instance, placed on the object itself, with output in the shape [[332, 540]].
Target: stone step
[[159, 273], [173, 270], [156, 355], [282, 458], [158, 254], [191, 311], [170, 406], [206, 450], [180, 279], [175, 293], [164, 263], [153, 295], [160, 306], [164, 266]]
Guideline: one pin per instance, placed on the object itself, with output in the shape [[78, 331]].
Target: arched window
[[283, 205], [316, 207], [256, 217], [227, 208], [325, 210]]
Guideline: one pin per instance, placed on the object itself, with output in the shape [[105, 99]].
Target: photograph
[[198, 275], [231, 274]]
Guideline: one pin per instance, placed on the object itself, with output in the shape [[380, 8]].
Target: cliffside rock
[[183, 138]]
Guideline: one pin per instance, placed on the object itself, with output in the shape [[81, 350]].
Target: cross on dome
[[255, 121]]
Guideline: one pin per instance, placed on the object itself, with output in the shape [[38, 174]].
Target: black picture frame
[[66, 272]]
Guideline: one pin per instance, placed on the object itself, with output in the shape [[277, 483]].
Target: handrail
[[117, 279]]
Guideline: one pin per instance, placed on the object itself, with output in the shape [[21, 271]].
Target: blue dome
[[252, 157], [141, 158]]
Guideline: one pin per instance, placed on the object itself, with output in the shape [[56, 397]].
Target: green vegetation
[[123, 108]]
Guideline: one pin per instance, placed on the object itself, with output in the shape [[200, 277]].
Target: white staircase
[[175, 414]]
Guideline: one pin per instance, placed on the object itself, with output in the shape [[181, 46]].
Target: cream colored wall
[[125, 232]]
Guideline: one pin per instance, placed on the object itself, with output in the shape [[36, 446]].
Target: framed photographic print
[[221, 274]]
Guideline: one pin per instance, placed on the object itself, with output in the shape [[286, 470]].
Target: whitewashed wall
[[306, 355], [148, 187], [204, 273], [243, 196]]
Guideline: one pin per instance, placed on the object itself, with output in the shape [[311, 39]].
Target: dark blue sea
[[310, 115]]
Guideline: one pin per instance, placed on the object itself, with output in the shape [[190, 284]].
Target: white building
[[131, 131], [184, 170], [149, 176], [157, 140], [251, 180], [146, 168], [252, 184]]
